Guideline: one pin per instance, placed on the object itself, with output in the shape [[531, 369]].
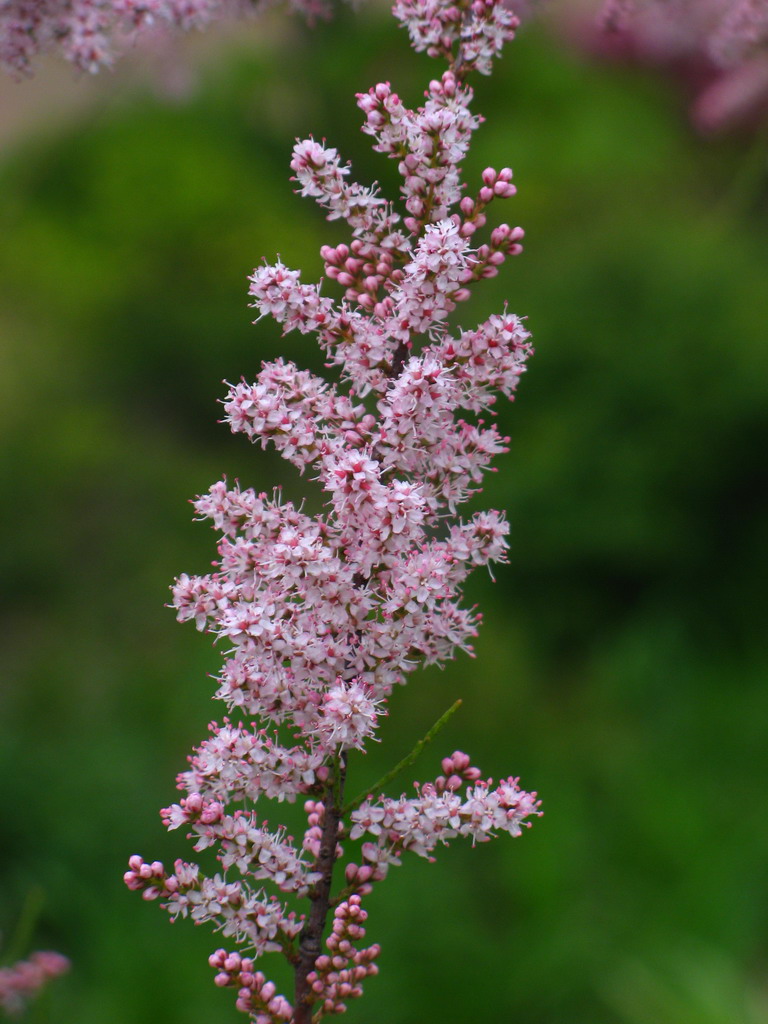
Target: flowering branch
[[323, 616]]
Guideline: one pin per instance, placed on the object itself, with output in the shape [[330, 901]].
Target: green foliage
[[619, 670]]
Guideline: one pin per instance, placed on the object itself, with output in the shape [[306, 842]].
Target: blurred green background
[[620, 669]]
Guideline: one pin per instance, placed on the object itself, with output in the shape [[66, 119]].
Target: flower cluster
[[90, 32], [321, 616], [472, 33], [439, 814], [23, 980]]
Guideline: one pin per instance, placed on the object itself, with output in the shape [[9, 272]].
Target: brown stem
[[457, 64], [312, 934], [398, 360]]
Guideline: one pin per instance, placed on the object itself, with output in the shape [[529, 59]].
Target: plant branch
[[407, 761], [311, 936]]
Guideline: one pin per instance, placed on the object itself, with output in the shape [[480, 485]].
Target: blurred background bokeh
[[621, 666]]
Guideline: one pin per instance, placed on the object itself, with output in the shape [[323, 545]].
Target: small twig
[[406, 762]]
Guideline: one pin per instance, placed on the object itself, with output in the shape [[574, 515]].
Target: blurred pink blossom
[[90, 33], [718, 47], [23, 980]]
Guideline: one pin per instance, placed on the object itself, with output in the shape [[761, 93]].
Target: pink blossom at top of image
[[719, 46]]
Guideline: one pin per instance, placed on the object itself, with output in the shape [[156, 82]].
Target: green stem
[[405, 763], [22, 935]]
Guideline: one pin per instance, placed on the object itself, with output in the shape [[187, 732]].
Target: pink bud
[[500, 234], [193, 803], [212, 813]]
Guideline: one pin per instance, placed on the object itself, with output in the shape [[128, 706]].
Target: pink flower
[[348, 716]]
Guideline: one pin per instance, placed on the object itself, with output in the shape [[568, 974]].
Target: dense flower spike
[[323, 615]]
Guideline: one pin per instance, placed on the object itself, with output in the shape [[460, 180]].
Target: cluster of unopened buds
[[322, 616], [338, 974], [255, 995]]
